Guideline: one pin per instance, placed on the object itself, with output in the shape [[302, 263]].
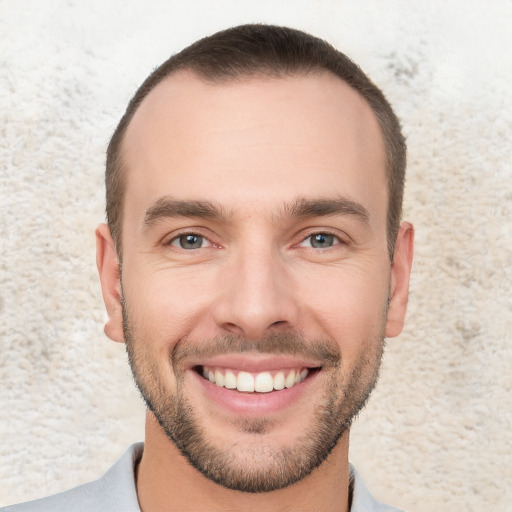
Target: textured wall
[[436, 434]]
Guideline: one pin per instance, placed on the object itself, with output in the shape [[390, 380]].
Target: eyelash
[[337, 240], [177, 237]]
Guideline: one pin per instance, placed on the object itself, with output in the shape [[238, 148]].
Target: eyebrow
[[305, 208], [166, 207]]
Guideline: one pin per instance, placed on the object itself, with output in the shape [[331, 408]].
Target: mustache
[[326, 352]]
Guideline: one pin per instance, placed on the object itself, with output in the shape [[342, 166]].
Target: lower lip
[[255, 403]]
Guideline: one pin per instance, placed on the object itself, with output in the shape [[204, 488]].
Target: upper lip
[[255, 363]]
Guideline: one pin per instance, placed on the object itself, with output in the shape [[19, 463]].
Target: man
[[253, 263]]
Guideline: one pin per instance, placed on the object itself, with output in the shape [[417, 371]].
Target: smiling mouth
[[262, 382]]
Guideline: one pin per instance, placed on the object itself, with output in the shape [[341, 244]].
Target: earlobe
[[108, 269], [400, 274]]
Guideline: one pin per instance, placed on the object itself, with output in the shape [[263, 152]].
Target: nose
[[256, 295]]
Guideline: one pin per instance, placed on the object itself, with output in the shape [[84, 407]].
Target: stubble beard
[[255, 467]]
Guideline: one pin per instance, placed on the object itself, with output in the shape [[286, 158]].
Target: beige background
[[436, 435]]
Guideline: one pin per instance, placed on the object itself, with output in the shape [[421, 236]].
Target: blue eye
[[189, 241], [320, 241]]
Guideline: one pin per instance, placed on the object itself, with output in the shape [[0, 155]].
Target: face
[[256, 286]]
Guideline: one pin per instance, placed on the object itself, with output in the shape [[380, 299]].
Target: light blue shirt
[[115, 491]]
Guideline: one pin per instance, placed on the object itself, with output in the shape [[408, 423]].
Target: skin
[[254, 149]]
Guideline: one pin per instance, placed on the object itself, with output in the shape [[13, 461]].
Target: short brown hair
[[271, 51]]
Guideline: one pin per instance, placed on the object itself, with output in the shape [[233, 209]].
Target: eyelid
[[168, 240], [174, 242], [341, 238]]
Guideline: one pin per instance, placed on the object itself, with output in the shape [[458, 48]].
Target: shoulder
[[114, 492], [362, 500]]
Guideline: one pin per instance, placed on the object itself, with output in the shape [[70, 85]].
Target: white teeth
[[290, 380], [245, 382], [262, 382], [230, 380], [279, 381], [219, 378]]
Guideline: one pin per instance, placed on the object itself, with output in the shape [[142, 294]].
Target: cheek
[[166, 304], [350, 305]]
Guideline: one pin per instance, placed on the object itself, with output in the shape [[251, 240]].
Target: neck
[[166, 482]]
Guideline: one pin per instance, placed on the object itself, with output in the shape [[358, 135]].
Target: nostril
[[233, 328]]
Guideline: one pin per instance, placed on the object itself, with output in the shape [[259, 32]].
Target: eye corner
[[190, 240], [321, 240], [187, 241]]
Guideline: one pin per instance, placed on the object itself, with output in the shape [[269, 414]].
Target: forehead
[[253, 140]]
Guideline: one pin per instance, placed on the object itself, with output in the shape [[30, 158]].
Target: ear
[[110, 277], [400, 272]]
